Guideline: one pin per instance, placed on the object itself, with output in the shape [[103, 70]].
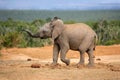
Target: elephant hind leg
[[90, 54], [91, 57], [83, 48], [82, 58], [87, 46]]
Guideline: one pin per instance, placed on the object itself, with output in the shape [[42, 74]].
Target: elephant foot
[[66, 61], [55, 65], [80, 65], [90, 65]]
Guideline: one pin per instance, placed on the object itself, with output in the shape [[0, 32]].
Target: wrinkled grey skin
[[79, 37]]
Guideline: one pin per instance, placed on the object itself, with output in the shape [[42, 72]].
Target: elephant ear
[[58, 26]]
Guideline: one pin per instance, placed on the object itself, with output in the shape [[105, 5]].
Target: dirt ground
[[15, 64]]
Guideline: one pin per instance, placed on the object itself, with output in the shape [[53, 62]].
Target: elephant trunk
[[31, 34]]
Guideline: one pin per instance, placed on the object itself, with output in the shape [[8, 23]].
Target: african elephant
[[79, 37]]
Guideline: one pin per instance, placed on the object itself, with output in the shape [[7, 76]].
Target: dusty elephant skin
[[79, 38]]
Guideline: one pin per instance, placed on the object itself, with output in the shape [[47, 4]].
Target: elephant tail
[[95, 41]]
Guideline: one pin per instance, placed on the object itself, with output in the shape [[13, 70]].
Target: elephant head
[[49, 30]]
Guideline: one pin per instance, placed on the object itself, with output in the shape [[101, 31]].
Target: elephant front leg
[[56, 50], [63, 55]]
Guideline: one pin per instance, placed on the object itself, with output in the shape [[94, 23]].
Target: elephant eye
[[44, 31], [51, 25]]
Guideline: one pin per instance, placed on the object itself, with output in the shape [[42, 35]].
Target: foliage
[[108, 32], [11, 34]]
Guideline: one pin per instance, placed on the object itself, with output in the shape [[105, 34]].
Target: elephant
[[78, 37]]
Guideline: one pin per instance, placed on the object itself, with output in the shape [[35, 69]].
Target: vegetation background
[[106, 23]]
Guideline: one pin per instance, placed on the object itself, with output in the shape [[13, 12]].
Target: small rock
[[46, 64], [35, 65], [29, 59], [115, 69], [98, 59]]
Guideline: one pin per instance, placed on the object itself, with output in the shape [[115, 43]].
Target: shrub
[[108, 32], [11, 34]]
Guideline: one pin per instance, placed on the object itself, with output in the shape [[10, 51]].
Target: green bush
[[108, 32], [11, 34]]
